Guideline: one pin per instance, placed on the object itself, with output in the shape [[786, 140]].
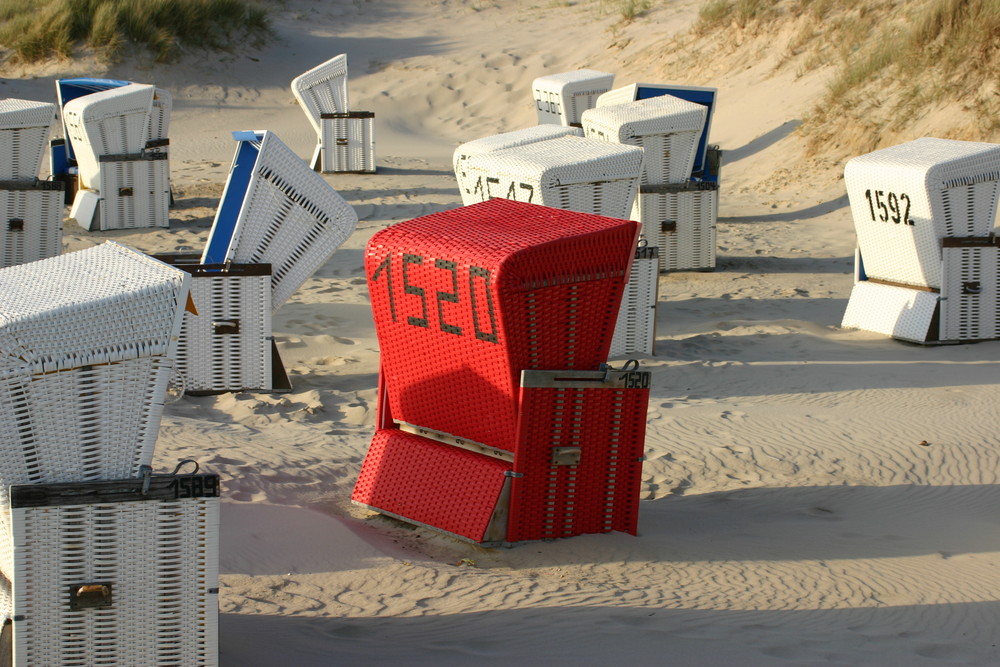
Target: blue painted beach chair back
[[221, 237], [276, 210], [698, 95]]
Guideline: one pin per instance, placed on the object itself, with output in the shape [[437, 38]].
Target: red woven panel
[[431, 483], [598, 495], [463, 300]]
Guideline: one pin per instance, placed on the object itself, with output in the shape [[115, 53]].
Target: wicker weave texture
[[227, 345], [98, 305], [905, 199], [110, 122], [463, 300], [970, 293], [682, 225], [430, 483], [571, 173], [323, 89], [635, 330], [290, 218], [134, 193], [158, 128], [348, 143], [598, 494], [91, 423], [562, 98], [161, 560], [622, 95], [24, 132], [499, 142], [31, 223], [899, 312], [666, 128]]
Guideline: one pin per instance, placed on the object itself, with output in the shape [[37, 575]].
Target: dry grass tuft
[[33, 30], [892, 62]]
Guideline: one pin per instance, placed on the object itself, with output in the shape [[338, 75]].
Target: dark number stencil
[[386, 267], [889, 207], [479, 300], [448, 297], [412, 289], [197, 486]]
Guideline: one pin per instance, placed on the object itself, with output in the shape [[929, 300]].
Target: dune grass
[[890, 62], [33, 30]]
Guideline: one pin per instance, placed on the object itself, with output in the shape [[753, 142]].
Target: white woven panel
[[348, 143], [690, 246], [160, 558], [571, 173], [635, 329], [906, 198], [31, 223], [561, 99], [899, 312], [227, 345], [90, 423], [323, 89], [499, 142], [110, 122], [666, 127], [134, 193], [158, 127], [970, 298], [618, 96], [289, 218], [94, 306], [24, 135]]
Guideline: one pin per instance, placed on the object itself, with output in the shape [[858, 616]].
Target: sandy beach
[[811, 494]]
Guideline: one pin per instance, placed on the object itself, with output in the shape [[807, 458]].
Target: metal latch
[[125, 192], [226, 327], [565, 456], [89, 596]]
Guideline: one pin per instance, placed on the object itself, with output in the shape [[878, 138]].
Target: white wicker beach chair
[[562, 98], [680, 220], [31, 221], [24, 133], [276, 210], [707, 97], [347, 142], [227, 345], [122, 186], [87, 341], [635, 329], [345, 139], [499, 142], [122, 572], [667, 128], [110, 122], [323, 89], [571, 173], [907, 198], [925, 217]]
